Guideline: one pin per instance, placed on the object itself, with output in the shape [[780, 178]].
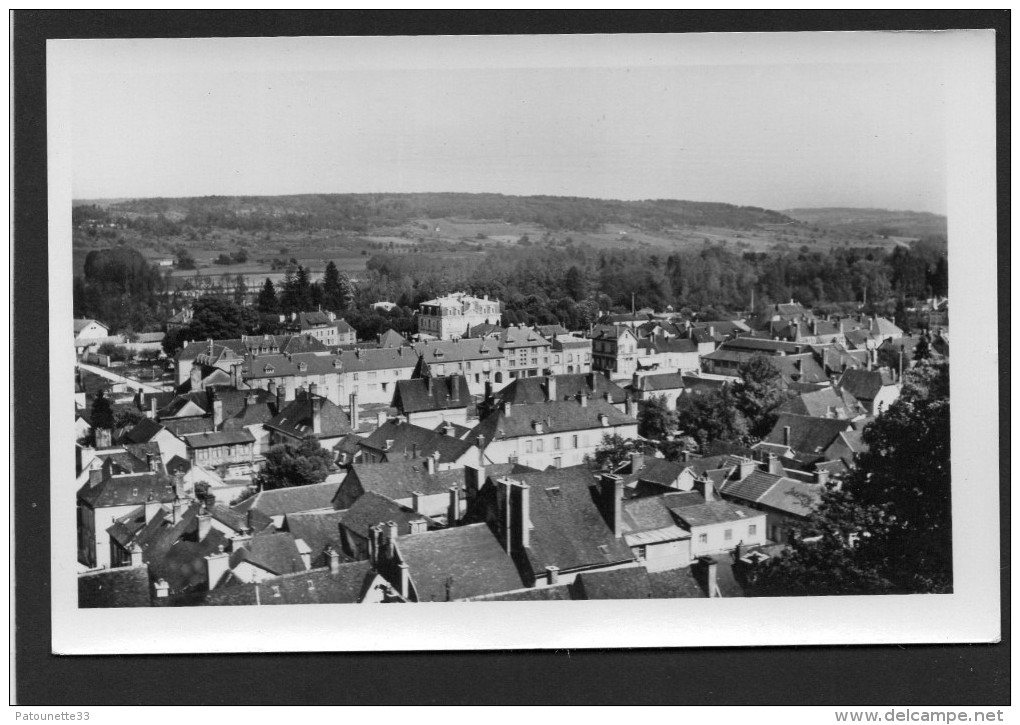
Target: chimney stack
[[204, 524], [507, 408], [611, 493], [334, 560], [453, 508], [316, 403], [553, 575], [281, 396], [786, 436], [449, 429], [582, 398], [709, 490], [550, 388], [136, 555], [430, 465], [821, 477], [405, 580], [217, 411], [217, 565], [747, 467], [629, 407], [391, 540], [454, 388], [637, 461], [152, 407], [374, 536], [355, 417]]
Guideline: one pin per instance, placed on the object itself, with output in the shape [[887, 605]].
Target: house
[[319, 529], [390, 338], [719, 526], [211, 353], [875, 389], [549, 524], [651, 531], [371, 508], [554, 432], [450, 317], [824, 403], [568, 353], [336, 583], [785, 501], [480, 361], [456, 564], [396, 440], [807, 439], [319, 325], [308, 415], [88, 336], [220, 448], [668, 354], [273, 506], [526, 352], [614, 351], [264, 556], [430, 401], [780, 312], [415, 484], [180, 318], [565, 387]]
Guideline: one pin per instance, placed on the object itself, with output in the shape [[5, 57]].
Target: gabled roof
[[649, 513], [437, 352], [457, 563], [714, 512], [567, 529], [296, 418], [515, 337], [126, 586], [793, 497], [186, 426], [312, 320], [807, 434], [291, 500], [553, 417], [390, 338], [568, 386], [425, 394], [660, 381], [865, 384], [629, 583], [277, 553], [401, 478], [820, 403], [348, 585], [317, 529], [373, 508], [143, 431], [550, 331], [129, 490], [394, 440], [655, 470], [344, 327], [80, 325], [220, 438]]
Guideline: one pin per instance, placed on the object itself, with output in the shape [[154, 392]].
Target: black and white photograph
[[617, 340]]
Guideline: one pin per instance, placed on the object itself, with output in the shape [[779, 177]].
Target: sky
[[771, 120]]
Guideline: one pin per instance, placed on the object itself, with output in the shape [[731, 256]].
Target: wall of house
[[432, 418], [664, 555], [94, 524], [747, 532], [542, 450], [218, 455], [475, 372], [886, 396], [570, 361], [170, 446]]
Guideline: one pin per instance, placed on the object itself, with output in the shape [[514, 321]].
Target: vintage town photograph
[[482, 319]]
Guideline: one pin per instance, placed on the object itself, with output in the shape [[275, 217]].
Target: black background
[[975, 675]]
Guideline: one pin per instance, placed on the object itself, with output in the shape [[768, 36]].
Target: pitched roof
[[660, 381], [317, 529], [568, 386], [310, 320], [437, 352], [348, 585], [129, 490], [126, 586], [655, 470], [296, 418], [275, 552], [373, 508], [292, 500], [629, 583], [791, 496], [514, 337], [395, 439], [553, 417], [714, 512], [186, 426], [751, 488], [390, 338], [820, 403], [80, 325], [143, 431], [220, 438], [567, 529], [645, 514], [807, 434], [865, 384], [425, 394], [457, 563], [675, 584], [399, 479]]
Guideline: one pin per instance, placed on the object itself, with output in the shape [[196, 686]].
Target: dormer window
[[268, 369], [302, 366]]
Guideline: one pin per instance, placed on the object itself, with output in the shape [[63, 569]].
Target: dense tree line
[[121, 289]]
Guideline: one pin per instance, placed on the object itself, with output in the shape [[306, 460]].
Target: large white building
[[450, 317]]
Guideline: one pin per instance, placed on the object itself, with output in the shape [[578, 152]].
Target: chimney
[[334, 560], [711, 331], [374, 536], [550, 388], [608, 397], [488, 390], [355, 417], [204, 524], [136, 555], [405, 580], [539, 426], [709, 490], [553, 575], [313, 389], [104, 438], [162, 589], [821, 477], [629, 407], [430, 465], [316, 403], [507, 408], [152, 506], [454, 388], [685, 455], [250, 399], [180, 505], [814, 327], [153, 462], [603, 420], [611, 493], [747, 467], [637, 461], [235, 376], [152, 407], [418, 526], [449, 429], [453, 507], [776, 466], [786, 436], [217, 565], [217, 411], [281, 396], [428, 384], [582, 398]]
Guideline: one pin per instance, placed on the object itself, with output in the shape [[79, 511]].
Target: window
[[556, 444], [642, 552], [728, 535], [558, 462], [576, 441], [355, 376], [702, 538], [752, 530], [539, 445], [528, 447]]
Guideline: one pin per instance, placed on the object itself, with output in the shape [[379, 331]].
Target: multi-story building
[[480, 361], [450, 317], [615, 351], [526, 352], [570, 354]]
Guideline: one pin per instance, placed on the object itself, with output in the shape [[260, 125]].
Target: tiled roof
[[751, 488], [126, 586], [412, 441], [221, 438], [514, 337], [807, 434], [399, 479], [143, 431], [714, 512], [344, 327], [661, 381], [554, 417], [567, 529], [131, 490], [655, 470], [570, 342], [373, 508], [227, 516], [794, 497], [296, 418], [294, 499], [80, 325], [568, 386], [645, 514], [310, 320], [629, 583], [437, 352], [275, 552], [675, 584], [390, 338], [457, 563], [317, 586], [317, 529], [802, 368], [819, 403], [864, 384], [558, 593], [425, 394], [188, 426]]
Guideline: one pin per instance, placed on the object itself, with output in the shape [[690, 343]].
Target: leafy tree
[[288, 465], [184, 259], [218, 319], [922, 351], [614, 450], [655, 419], [240, 290], [760, 390], [266, 301], [712, 417], [102, 412]]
